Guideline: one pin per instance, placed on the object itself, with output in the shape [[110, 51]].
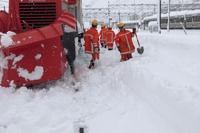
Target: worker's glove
[[96, 49]]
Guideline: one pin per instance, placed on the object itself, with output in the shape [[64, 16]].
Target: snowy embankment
[[157, 92]]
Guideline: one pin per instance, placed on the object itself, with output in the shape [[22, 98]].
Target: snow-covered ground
[[157, 92]]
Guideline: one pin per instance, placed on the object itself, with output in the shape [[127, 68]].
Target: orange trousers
[[125, 57], [95, 56]]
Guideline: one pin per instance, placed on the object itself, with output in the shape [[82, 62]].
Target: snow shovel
[[140, 50]]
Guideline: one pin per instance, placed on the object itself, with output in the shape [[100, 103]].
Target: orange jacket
[[91, 40], [102, 35], [124, 42], [110, 38]]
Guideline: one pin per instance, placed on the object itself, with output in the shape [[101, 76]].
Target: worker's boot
[[91, 64]]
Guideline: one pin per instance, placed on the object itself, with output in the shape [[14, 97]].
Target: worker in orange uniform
[[124, 42], [102, 35], [110, 38], [91, 39]]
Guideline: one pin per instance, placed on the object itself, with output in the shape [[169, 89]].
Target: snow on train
[[190, 20]]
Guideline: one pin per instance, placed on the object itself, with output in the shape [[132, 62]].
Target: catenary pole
[[168, 23], [119, 16], [159, 16], [108, 13]]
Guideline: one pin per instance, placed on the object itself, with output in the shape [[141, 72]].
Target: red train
[[44, 29]]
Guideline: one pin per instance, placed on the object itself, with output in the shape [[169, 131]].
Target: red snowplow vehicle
[[37, 52]]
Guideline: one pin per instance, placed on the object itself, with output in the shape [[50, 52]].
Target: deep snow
[[157, 92]]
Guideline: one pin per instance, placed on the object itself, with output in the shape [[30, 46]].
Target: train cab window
[[189, 19], [164, 20], [182, 20], [172, 20], [177, 20], [196, 18]]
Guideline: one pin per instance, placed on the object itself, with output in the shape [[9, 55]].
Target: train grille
[[37, 14]]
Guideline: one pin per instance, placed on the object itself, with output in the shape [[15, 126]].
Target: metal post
[[119, 16], [108, 14], [159, 16], [134, 11], [168, 23]]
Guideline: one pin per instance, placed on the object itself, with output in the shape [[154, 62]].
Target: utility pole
[[119, 16], [134, 11], [159, 16], [108, 14], [168, 23]]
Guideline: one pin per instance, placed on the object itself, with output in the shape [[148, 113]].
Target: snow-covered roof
[[135, 21]]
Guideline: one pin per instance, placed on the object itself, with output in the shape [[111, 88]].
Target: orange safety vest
[[91, 40], [102, 35], [110, 38], [124, 42]]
